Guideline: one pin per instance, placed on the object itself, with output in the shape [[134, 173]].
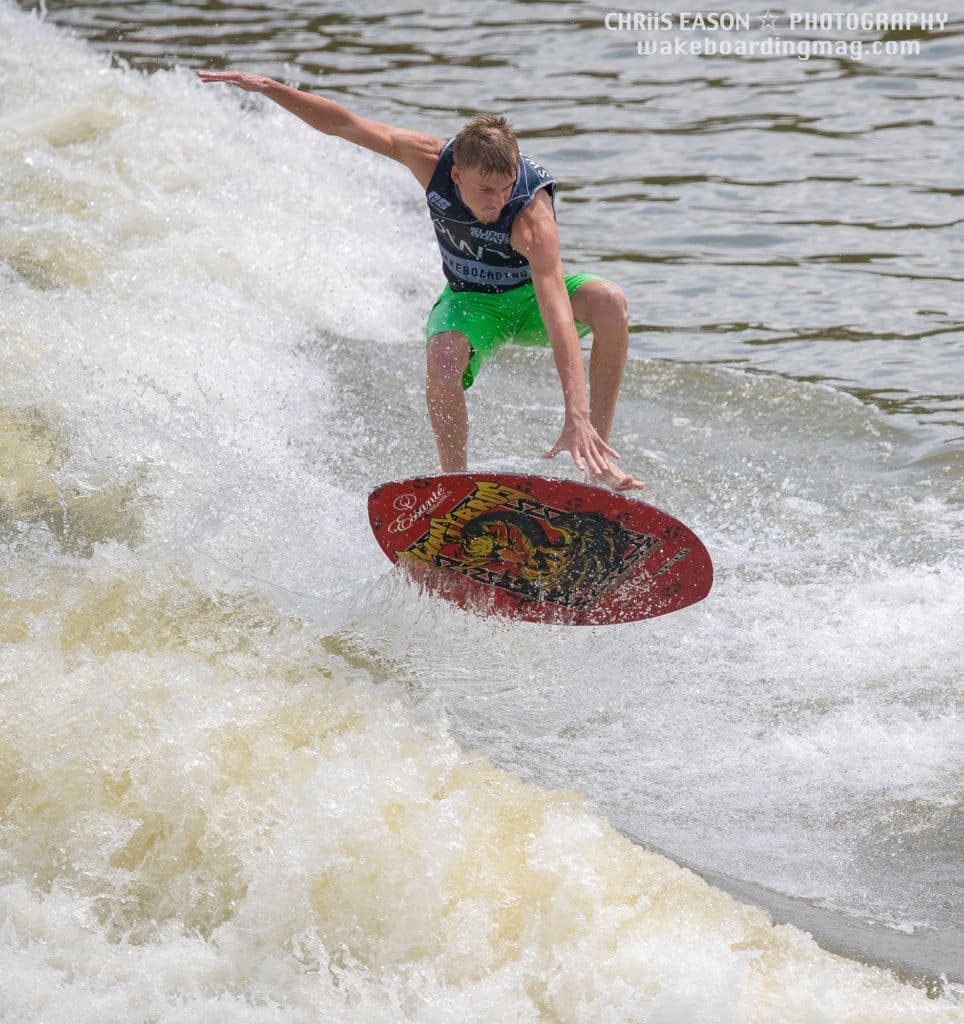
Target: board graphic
[[538, 549]]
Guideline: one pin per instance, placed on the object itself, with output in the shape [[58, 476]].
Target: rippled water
[[237, 764]]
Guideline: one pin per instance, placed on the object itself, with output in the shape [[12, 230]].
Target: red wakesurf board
[[540, 550]]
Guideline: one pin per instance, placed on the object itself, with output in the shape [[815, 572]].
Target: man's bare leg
[[602, 305], [447, 356]]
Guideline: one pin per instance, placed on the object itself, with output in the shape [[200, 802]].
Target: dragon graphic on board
[[507, 539]]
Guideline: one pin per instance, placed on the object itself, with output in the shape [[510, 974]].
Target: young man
[[495, 224]]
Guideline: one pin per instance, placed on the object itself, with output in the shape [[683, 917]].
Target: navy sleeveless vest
[[477, 257]]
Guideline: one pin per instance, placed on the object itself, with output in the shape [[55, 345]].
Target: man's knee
[[602, 305], [612, 306], [447, 356]]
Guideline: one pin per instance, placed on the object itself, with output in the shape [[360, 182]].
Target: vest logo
[[488, 235], [439, 202], [456, 244]]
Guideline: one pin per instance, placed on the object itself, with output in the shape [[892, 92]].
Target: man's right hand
[[242, 79]]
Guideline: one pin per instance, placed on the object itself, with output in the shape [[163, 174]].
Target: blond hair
[[488, 144]]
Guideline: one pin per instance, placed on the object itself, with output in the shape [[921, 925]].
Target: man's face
[[483, 194]]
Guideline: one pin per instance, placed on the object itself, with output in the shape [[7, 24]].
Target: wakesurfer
[[494, 219]]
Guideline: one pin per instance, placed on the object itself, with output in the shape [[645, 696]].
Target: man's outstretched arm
[[416, 150]]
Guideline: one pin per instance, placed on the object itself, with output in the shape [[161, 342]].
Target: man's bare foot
[[616, 479]]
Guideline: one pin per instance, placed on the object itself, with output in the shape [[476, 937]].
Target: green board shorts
[[490, 320]]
